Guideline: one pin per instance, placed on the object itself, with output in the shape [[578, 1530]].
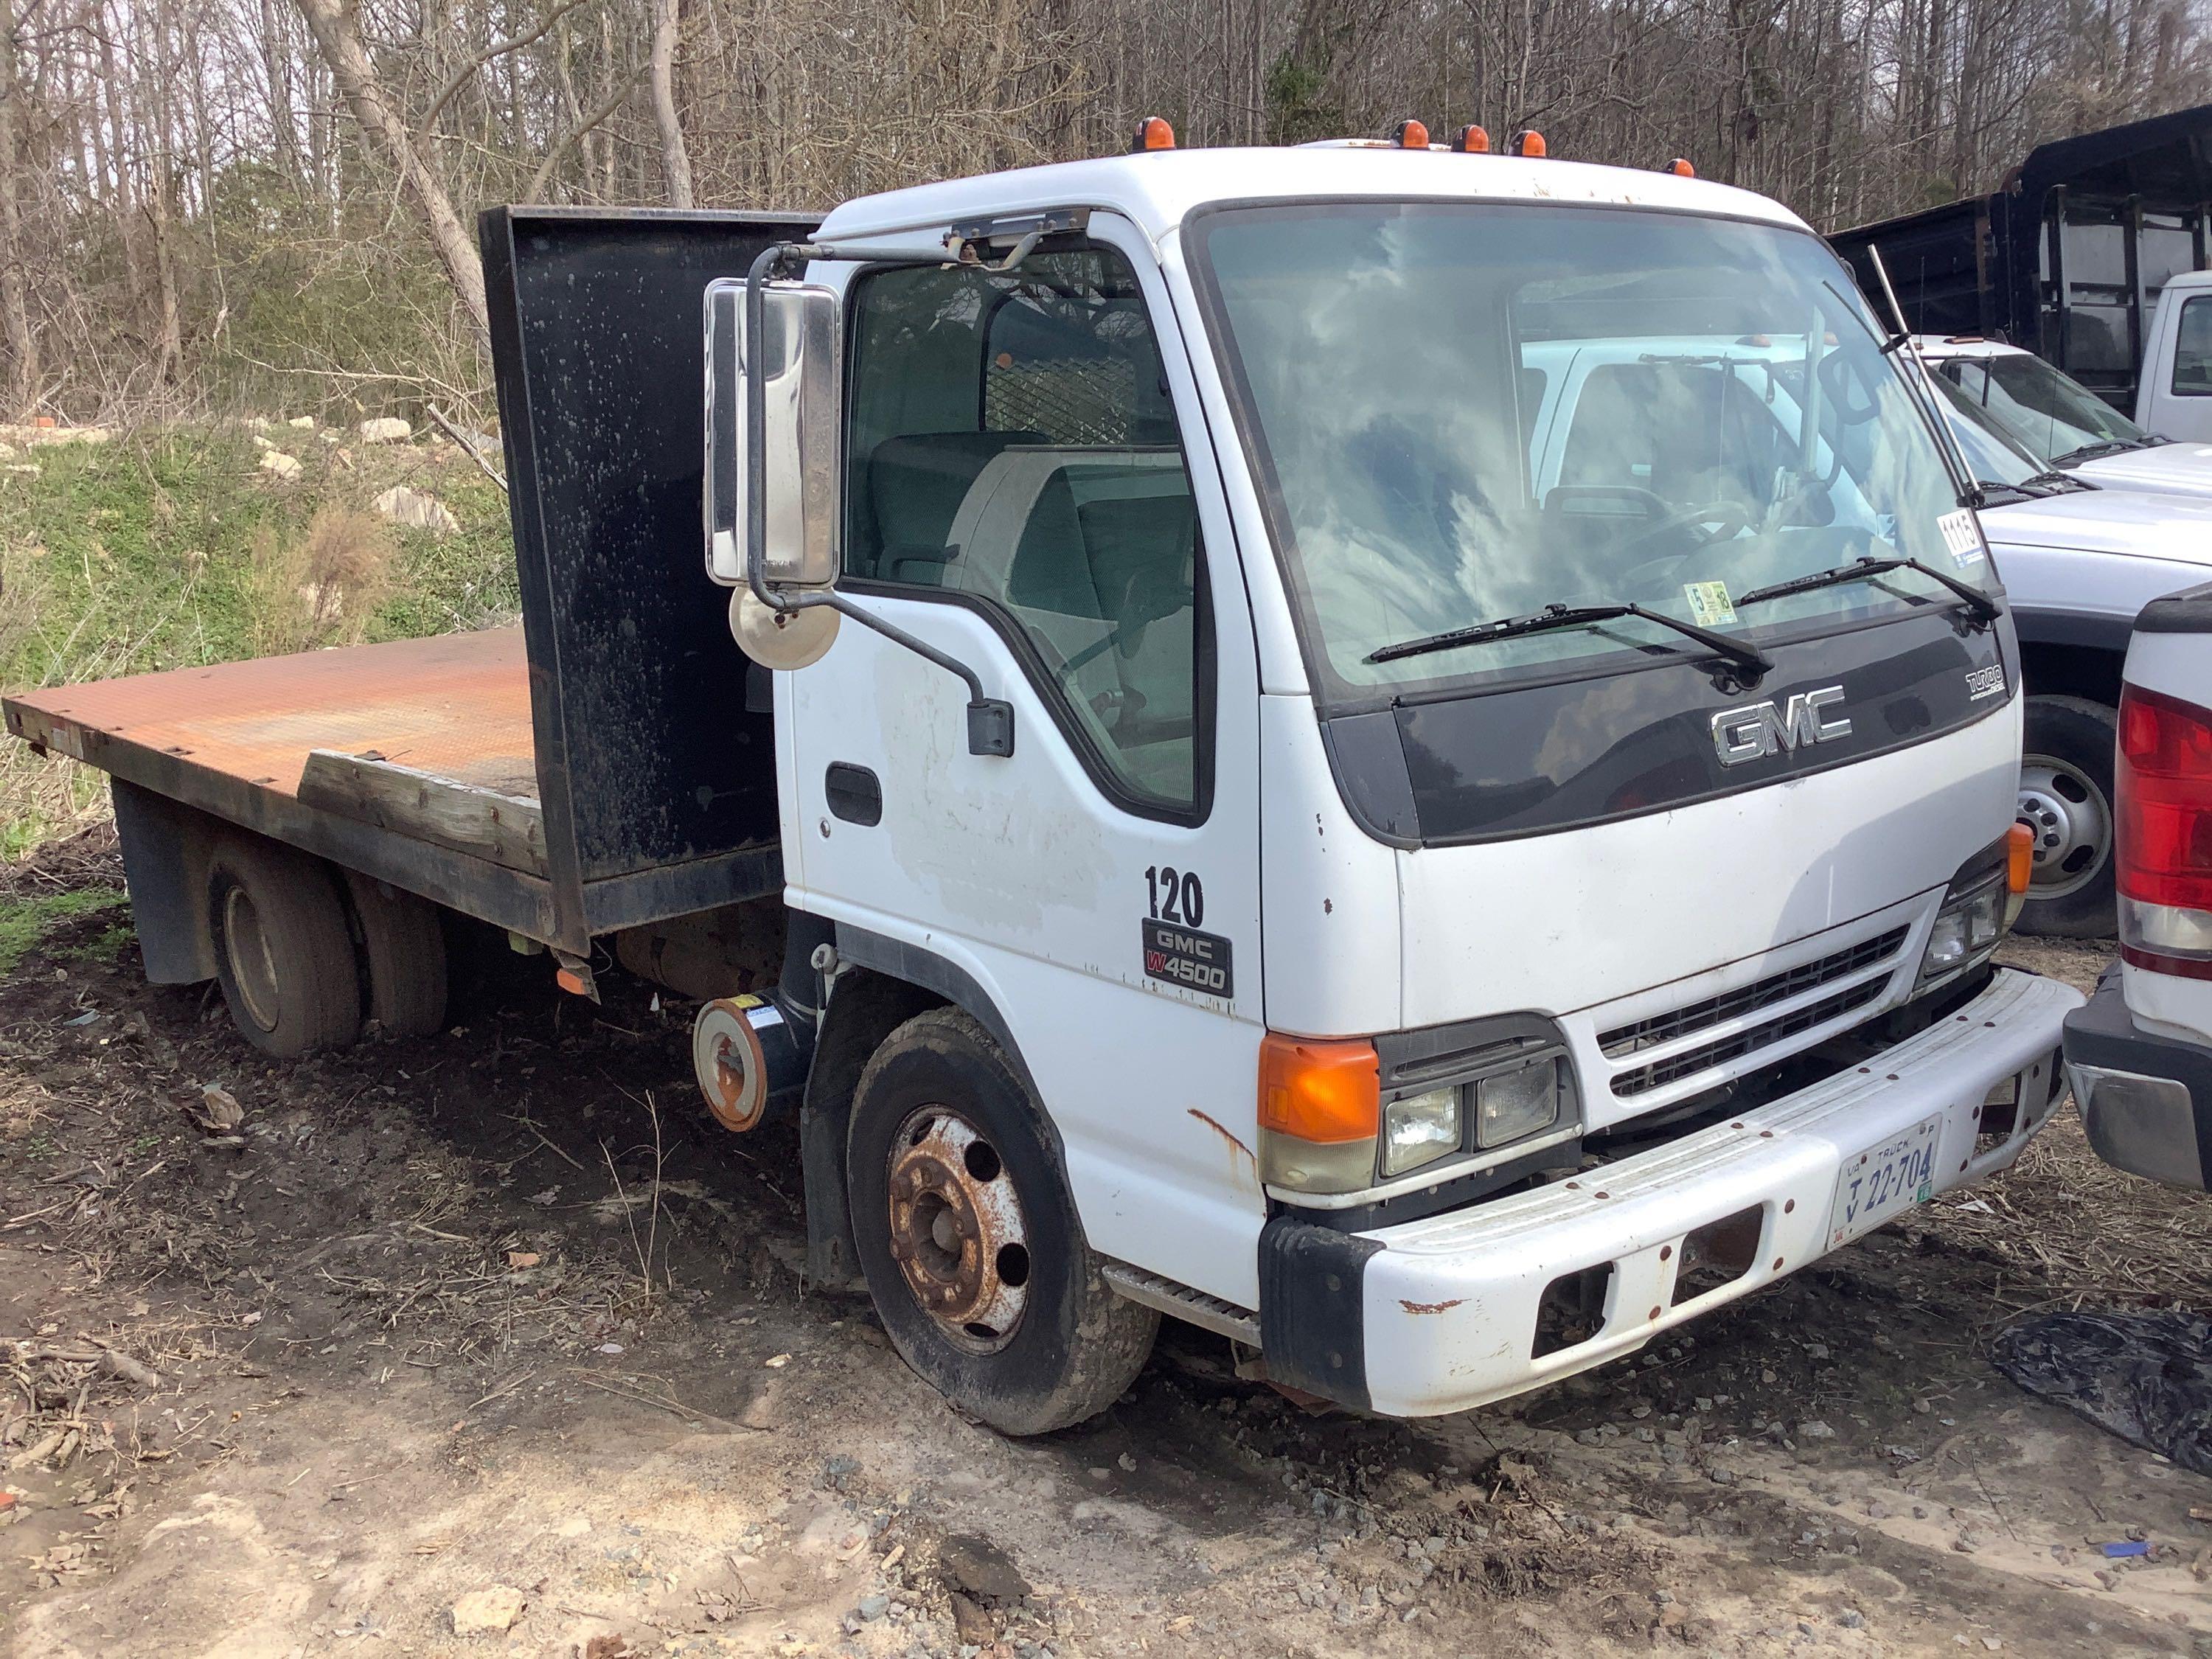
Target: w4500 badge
[[1185, 956]]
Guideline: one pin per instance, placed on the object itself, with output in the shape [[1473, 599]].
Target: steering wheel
[[1723, 519]]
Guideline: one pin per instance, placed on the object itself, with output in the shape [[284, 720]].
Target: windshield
[[2051, 415], [1993, 455], [1462, 412]]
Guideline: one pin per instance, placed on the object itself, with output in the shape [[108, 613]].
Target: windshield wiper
[[1748, 658], [2095, 452], [2060, 482], [1980, 607]]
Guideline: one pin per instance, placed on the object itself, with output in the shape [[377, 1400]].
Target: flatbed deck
[[456, 707], [412, 761]]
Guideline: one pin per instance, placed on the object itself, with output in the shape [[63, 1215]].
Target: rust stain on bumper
[[1429, 1307]]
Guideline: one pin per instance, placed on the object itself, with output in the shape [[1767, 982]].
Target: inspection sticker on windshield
[[1710, 605], [1962, 536], [1885, 1180]]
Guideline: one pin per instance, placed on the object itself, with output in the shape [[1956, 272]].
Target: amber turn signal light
[[2020, 858], [1325, 1092]]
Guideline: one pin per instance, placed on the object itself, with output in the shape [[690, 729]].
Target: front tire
[[968, 1237], [2066, 801]]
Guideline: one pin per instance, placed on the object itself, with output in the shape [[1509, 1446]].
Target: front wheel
[[968, 1237], [2066, 802]]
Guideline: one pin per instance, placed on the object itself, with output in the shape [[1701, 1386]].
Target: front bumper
[[2146, 1100], [1443, 1314]]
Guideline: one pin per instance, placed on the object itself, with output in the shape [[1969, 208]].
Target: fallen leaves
[[217, 1110]]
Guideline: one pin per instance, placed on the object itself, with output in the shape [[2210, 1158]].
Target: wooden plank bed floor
[[429, 738]]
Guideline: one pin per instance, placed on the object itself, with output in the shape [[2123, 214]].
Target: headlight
[[1515, 1105], [1340, 1115], [1966, 929], [1419, 1130]]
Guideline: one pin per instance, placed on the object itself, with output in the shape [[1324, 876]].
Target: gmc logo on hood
[[1759, 729]]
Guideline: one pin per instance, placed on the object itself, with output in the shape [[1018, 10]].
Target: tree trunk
[[15, 298], [365, 96], [675, 159]]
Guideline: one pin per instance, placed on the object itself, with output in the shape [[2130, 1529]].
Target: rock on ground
[[413, 507], [284, 465], [487, 1611], [385, 429]]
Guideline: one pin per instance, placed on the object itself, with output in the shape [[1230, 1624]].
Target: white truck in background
[[2173, 393], [2139, 1055], [2081, 559], [1206, 827], [2060, 422]]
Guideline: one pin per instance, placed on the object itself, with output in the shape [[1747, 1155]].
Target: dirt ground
[[408, 1372]]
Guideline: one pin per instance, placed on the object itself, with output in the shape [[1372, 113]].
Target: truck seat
[[914, 488]]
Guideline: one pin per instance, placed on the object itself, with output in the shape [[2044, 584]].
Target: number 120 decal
[[1174, 950], [1176, 897]]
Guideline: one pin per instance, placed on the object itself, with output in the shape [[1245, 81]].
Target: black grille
[[1763, 993], [1659, 1073]]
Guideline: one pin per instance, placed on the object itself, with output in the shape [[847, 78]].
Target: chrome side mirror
[[797, 364]]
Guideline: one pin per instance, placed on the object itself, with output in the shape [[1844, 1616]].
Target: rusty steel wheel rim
[[247, 944], [956, 1230]]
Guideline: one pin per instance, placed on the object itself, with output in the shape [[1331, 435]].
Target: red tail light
[[2163, 844]]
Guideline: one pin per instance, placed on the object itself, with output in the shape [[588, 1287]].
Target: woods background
[[212, 206]]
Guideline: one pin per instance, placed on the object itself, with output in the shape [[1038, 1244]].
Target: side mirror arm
[[990, 720]]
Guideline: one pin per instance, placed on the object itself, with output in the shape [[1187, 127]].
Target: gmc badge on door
[[1185, 956]]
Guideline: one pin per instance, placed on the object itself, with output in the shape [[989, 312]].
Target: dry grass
[[322, 588], [2078, 1231], [2082, 1233]]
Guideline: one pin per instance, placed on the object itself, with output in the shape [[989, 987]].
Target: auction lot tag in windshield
[[1710, 605], [1962, 536]]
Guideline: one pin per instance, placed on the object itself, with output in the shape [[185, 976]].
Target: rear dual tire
[[297, 942], [283, 953]]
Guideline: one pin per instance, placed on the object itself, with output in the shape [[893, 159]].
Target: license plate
[[1884, 1181]]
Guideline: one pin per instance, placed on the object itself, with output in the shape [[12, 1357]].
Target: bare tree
[[365, 96], [15, 305], [675, 158], [195, 194]]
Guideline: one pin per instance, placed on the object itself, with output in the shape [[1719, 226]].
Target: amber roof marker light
[[1528, 142], [1410, 135], [1680, 168], [1152, 133], [1470, 141]]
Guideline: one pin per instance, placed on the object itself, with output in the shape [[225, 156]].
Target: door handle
[[853, 793]]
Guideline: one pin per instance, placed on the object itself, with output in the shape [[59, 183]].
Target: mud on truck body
[[1198, 825]]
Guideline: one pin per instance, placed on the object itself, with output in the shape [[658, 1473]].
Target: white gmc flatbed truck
[[1185, 813]]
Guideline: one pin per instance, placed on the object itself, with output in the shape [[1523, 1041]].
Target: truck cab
[[2174, 394], [1449, 918]]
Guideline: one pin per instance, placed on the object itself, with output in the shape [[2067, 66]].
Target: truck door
[[1028, 487], [2176, 393]]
